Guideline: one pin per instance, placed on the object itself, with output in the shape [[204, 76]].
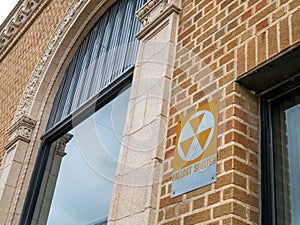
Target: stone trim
[[137, 186], [154, 12], [20, 130], [18, 22], [61, 144], [35, 80]]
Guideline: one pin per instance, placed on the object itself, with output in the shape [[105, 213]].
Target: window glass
[[108, 51], [73, 177], [286, 145], [83, 177]]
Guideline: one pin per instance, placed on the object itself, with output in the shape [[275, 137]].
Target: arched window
[[74, 175]]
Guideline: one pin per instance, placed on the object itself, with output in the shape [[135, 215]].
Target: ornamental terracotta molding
[[17, 22], [61, 144], [21, 130], [33, 84], [154, 12]]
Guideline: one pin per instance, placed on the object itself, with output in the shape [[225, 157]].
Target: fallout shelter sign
[[195, 158]]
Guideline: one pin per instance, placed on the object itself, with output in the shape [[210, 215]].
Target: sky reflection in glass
[[85, 181]]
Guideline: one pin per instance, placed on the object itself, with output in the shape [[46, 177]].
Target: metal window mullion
[[56, 103], [81, 81], [95, 66], [105, 61], [103, 53], [117, 66], [64, 95], [71, 72], [78, 65], [73, 87], [99, 38], [113, 45], [84, 91], [92, 63], [132, 39]]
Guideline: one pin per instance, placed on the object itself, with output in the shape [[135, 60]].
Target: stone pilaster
[[136, 191], [11, 169]]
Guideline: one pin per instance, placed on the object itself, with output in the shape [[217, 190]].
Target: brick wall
[[17, 66], [231, 37]]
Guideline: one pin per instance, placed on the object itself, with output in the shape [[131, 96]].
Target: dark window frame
[[83, 112], [268, 189]]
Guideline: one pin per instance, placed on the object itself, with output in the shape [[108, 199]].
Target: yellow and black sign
[[195, 157]]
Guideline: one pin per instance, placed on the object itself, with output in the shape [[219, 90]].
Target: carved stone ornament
[[18, 22], [154, 9], [154, 12], [35, 80], [21, 130], [61, 144]]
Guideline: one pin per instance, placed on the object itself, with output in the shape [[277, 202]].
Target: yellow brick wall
[[231, 37], [17, 66]]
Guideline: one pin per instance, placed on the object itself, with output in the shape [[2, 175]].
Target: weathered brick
[[234, 164], [251, 54], [197, 218], [214, 198], [160, 215], [186, 33], [235, 124], [278, 14], [261, 5], [293, 4], [183, 208], [220, 33], [254, 216], [227, 58], [262, 14], [233, 221], [241, 67], [222, 210], [226, 79], [261, 25], [198, 203], [246, 15], [232, 16], [261, 48], [170, 212], [284, 34], [169, 201], [173, 222], [296, 27], [199, 191], [232, 25], [209, 7], [273, 40]]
